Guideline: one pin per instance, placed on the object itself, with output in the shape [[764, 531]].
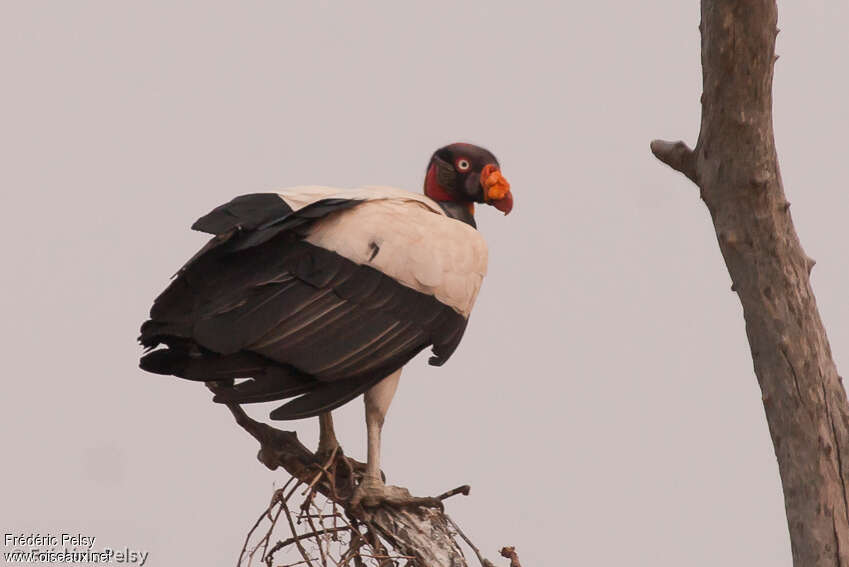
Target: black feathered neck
[[459, 211]]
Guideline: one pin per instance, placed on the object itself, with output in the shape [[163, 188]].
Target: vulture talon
[[328, 445]]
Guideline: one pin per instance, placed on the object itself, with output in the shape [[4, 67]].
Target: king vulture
[[318, 295]]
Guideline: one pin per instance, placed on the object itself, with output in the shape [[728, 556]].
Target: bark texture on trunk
[[735, 166]]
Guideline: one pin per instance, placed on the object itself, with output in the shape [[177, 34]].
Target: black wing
[[259, 302]]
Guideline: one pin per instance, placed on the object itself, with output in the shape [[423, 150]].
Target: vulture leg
[[377, 401], [327, 442], [372, 491]]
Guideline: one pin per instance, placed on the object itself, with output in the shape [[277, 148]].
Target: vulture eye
[[463, 164]]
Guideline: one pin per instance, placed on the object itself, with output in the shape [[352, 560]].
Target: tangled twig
[[327, 530]]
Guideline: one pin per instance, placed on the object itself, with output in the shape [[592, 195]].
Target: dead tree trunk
[[735, 166]]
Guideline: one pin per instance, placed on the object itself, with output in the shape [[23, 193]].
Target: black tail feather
[[266, 389], [195, 364], [325, 397], [164, 361]]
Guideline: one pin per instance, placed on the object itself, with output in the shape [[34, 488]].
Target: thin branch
[[286, 542], [310, 501], [248, 537], [464, 490], [267, 539], [483, 560], [322, 471], [292, 527]]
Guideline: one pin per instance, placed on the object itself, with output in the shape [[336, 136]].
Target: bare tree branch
[[425, 536], [676, 155]]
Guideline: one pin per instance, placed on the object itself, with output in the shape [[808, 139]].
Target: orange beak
[[496, 189]]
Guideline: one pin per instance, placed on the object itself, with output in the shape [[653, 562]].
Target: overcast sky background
[[602, 405]]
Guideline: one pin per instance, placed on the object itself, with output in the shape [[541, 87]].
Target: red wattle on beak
[[505, 204], [496, 189]]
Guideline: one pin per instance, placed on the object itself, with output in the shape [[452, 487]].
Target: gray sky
[[606, 352]]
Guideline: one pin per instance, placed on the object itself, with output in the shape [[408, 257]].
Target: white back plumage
[[417, 244]]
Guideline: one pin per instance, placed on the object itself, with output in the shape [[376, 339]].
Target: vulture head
[[460, 175]]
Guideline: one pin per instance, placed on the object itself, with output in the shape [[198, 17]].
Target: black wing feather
[[245, 212], [260, 303]]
